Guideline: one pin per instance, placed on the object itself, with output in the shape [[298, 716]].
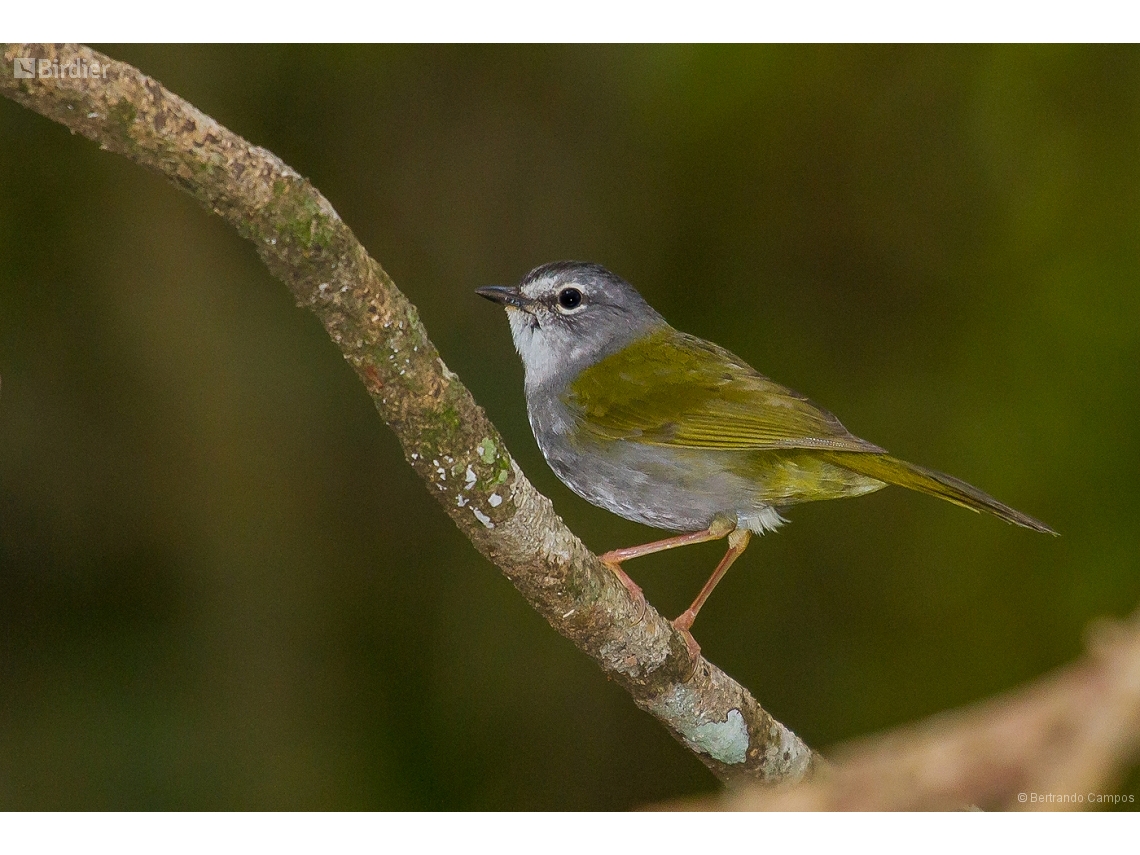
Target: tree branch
[[1061, 742], [445, 435]]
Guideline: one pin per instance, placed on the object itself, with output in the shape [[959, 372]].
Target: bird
[[675, 432]]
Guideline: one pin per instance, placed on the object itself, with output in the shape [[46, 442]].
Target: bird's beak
[[502, 295]]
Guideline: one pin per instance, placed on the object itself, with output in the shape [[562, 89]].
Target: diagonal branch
[[445, 435]]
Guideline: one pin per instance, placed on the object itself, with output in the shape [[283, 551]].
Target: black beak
[[502, 295]]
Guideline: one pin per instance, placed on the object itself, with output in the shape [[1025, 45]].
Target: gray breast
[[669, 488]]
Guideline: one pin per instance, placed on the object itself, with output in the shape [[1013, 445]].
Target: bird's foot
[[683, 623], [634, 589], [694, 649]]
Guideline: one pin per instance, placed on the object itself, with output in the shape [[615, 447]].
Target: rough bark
[[1061, 742], [446, 437]]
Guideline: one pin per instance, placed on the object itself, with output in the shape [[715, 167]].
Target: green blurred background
[[220, 585]]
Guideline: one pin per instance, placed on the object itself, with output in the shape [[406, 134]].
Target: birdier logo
[[77, 69]]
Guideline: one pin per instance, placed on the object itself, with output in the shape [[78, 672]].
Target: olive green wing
[[673, 389]]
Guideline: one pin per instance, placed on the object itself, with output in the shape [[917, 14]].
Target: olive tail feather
[[883, 467]]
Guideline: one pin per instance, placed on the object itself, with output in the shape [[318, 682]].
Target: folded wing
[[673, 389]]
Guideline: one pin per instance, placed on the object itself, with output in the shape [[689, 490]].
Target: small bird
[[666, 429]]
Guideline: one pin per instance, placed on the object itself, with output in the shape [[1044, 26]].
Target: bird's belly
[[683, 489]]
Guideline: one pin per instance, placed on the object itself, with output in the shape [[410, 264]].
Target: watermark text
[[1076, 798], [25, 67]]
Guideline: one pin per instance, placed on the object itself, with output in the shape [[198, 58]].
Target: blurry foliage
[[220, 586]]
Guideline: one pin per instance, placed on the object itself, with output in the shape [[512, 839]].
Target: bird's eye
[[569, 298]]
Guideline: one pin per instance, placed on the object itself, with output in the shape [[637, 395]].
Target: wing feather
[[673, 389]]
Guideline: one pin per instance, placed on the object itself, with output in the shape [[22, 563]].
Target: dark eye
[[569, 298]]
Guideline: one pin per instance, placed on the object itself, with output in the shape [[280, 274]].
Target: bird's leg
[[719, 528], [613, 559], [737, 543]]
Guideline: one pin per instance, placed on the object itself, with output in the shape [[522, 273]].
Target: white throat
[[544, 356]]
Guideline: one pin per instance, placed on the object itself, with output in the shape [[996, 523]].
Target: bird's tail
[[883, 467]]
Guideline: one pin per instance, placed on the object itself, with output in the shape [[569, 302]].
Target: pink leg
[[737, 543], [719, 528], [614, 558]]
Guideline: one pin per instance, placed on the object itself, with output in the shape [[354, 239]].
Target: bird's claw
[[683, 623], [690, 642], [634, 589]]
